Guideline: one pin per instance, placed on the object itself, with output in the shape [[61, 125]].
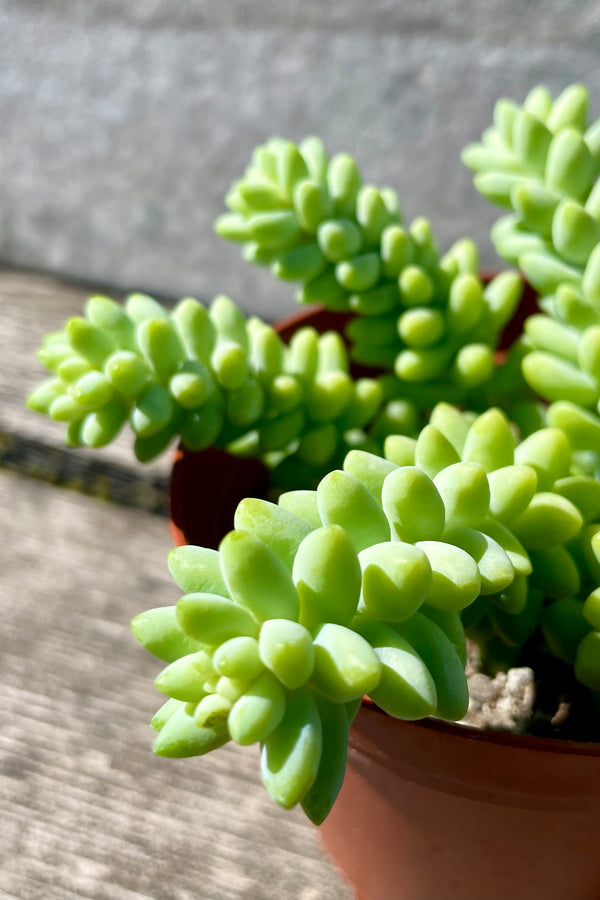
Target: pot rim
[[299, 315], [498, 738]]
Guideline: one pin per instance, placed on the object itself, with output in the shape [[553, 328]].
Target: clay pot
[[205, 489], [435, 811]]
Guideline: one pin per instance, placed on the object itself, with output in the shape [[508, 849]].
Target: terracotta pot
[[435, 810], [205, 489]]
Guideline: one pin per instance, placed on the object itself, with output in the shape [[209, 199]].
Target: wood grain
[[87, 811]]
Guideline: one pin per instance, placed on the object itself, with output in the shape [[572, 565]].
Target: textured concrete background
[[123, 124]]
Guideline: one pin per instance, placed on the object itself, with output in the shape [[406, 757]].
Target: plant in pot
[[447, 490]]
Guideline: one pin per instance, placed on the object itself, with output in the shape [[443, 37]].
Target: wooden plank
[[87, 811]]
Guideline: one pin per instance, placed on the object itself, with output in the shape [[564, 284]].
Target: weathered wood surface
[[30, 306], [86, 810]]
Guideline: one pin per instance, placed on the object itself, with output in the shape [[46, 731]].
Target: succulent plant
[[430, 521], [207, 375], [541, 160], [357, 588], [312, 220]]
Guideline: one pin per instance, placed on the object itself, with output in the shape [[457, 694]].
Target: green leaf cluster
[[207, 375], [541, 161], [359, 587], [312, 220]]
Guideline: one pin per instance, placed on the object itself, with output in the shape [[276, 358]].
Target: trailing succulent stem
[[209, 376], [541, 161], [359, 587], [312, 220]]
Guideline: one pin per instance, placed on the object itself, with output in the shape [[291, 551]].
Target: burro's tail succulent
[[358, 588], [367, 585], [312, 220], [541, 161], [207, 375]]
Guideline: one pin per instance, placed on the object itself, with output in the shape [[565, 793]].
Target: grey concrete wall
[[125, 121]]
